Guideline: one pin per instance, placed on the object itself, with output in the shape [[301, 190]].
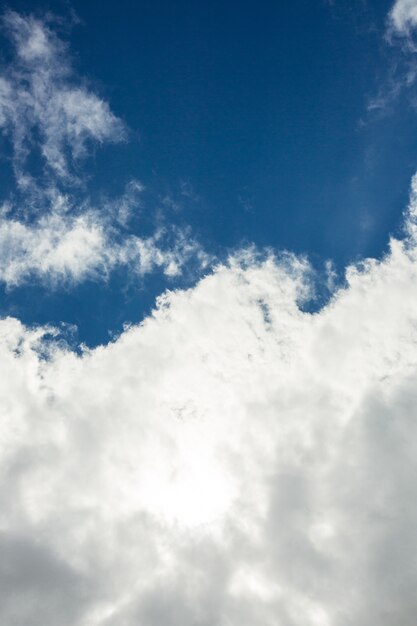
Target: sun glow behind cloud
[[240, 463]]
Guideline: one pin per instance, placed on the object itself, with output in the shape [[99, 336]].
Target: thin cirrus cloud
[[402, 72], [248, 463], [40, 94], [53, 232]]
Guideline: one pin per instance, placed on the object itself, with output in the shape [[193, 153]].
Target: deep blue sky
[[252, 117]]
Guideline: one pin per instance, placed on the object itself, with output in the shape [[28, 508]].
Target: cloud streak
[[41, 97], [50, 229], [61, 249]]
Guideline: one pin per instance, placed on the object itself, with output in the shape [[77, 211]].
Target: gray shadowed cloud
[[36, 585]]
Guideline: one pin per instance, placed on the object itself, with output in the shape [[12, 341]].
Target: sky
[[269, 126], [208, 313]]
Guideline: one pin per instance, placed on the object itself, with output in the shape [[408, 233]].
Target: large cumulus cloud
[[231, 460]]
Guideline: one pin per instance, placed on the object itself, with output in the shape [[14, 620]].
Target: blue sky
[[249, 125]]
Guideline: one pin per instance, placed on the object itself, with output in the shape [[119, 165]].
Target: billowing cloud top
[[231, 460]]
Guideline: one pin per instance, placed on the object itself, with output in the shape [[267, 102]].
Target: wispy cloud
[[66, 246], [50, 229], [402, 18], [44, 106], [401, 22]]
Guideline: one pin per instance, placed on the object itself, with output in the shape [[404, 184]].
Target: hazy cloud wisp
[[51, 230], [43, 100]]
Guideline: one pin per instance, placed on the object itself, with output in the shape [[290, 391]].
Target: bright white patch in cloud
[[231, 460], [53, 233]]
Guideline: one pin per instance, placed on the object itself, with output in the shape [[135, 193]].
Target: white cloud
[[402, 71], [66, 249], [231, 460], [403, 17], [52, 232], [40, 96]]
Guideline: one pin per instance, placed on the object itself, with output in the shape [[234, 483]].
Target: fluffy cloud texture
[[231, 460], [40, 97], [70, 249], [403, 16], [51, 230]]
